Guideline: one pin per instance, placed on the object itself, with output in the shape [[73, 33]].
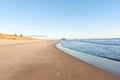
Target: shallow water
[[99, 49]]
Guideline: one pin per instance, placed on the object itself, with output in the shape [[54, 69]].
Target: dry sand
[[40, 60]]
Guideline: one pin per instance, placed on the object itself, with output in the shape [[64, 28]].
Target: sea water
[[103, 53]]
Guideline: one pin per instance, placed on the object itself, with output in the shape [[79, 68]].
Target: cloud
[[36, 35]]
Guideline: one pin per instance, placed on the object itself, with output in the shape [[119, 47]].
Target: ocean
[[103, 53]]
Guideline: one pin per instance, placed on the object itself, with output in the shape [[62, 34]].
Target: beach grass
[[14, 37]]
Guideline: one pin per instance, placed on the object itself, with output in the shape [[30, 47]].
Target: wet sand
[[41, 60]]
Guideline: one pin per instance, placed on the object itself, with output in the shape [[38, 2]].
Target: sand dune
[[14, 37], [40, 60]]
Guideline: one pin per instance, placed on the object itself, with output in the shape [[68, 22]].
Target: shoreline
[[41, 60], [100, 62]]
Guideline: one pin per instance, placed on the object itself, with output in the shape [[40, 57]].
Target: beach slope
[[41, 60]]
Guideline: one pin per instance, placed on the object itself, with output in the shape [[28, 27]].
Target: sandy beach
[[41, 60]]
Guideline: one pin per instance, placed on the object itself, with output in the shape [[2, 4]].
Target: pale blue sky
[[61, 18]]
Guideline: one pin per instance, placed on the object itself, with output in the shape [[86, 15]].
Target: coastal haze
[[59, 40]]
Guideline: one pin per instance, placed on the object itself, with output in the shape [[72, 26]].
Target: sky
[[55, 19]]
